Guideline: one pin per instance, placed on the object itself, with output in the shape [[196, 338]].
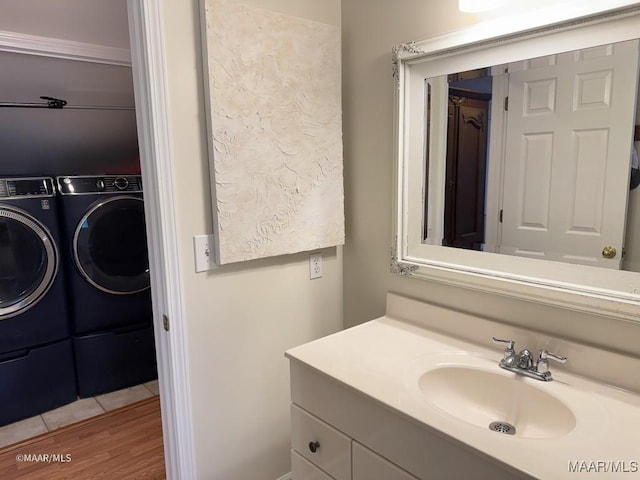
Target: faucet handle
[[508, 351], [507, 343], [544, 354], [543, 360]]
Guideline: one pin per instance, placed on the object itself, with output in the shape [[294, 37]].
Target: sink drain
[[502, 427]]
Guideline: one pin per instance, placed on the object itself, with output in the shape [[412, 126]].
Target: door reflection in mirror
[[554, 182]]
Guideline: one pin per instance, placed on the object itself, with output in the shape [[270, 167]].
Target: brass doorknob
[[609, 252]]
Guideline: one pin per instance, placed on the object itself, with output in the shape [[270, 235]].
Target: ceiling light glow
[[474, 6]]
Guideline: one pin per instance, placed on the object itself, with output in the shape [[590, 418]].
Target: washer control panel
[[26, 187], [79, 185]]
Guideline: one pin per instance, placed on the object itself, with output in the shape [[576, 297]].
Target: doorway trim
[[148, 68], [154, 138]]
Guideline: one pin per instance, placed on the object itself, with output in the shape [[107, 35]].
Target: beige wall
[[370, 29], [91, 21], [239, 319]]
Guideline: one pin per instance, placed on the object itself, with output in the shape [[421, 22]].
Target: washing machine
[[108, 281], [36, 365]]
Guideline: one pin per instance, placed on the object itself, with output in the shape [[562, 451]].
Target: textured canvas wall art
[[275, 131]]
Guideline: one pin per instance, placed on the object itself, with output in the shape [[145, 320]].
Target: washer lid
[[110, 246], [28, 261]]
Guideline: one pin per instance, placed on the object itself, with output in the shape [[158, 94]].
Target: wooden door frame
[[456, 98]]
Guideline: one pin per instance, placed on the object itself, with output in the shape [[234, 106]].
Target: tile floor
[[75, 412]]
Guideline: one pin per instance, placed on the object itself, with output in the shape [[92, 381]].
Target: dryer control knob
[[100, 184], [121, 183]]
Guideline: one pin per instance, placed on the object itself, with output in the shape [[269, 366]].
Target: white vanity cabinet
[[369, 466], [302, 469], [339, 433], [390, 399], [320, 444], [318, 450]]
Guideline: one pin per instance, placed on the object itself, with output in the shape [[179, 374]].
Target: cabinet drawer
[[302, 469], [321, 444], [369, 466]]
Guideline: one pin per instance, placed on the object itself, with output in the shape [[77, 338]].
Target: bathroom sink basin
[[497, 400]]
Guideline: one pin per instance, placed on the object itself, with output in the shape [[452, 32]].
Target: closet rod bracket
[[54, 102]]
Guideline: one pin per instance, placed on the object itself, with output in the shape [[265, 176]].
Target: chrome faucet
[[523, 364]]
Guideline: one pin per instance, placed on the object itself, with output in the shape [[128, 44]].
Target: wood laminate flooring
[[121, 444]]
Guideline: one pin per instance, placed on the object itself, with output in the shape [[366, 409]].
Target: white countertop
[[384, 357]]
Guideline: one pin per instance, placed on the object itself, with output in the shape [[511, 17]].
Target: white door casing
[[152, 113], [147, 61], [436, 158], [566, 172]]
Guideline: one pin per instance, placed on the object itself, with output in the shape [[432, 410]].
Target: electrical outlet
[[203, 251], [315, 266]]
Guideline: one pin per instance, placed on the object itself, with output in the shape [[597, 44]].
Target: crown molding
[[17, 42]]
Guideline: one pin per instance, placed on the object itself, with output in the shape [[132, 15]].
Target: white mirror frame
[[570, 26]]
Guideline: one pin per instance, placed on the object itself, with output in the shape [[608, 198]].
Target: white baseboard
[[286, 477]]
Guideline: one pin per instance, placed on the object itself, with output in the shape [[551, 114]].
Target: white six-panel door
[[566, 169]]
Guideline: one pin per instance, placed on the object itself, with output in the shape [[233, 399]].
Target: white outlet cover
[[315, 266]]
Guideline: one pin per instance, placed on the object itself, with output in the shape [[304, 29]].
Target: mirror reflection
[[540, 158]]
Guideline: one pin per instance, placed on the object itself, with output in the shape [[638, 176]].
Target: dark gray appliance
[[36, 360], [110, 296]]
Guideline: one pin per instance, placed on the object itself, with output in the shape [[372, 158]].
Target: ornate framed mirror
[[514, 143]]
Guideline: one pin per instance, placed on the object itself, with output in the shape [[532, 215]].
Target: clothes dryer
[[106, 244], [33, 308], [109, 282], [36, 366]]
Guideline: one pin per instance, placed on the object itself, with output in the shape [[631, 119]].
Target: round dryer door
[[28, 261], [110, 246]]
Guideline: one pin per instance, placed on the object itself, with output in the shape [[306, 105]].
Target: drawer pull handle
[[314, 446]]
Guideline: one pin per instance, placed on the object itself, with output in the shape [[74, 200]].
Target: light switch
[[203, 251]]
